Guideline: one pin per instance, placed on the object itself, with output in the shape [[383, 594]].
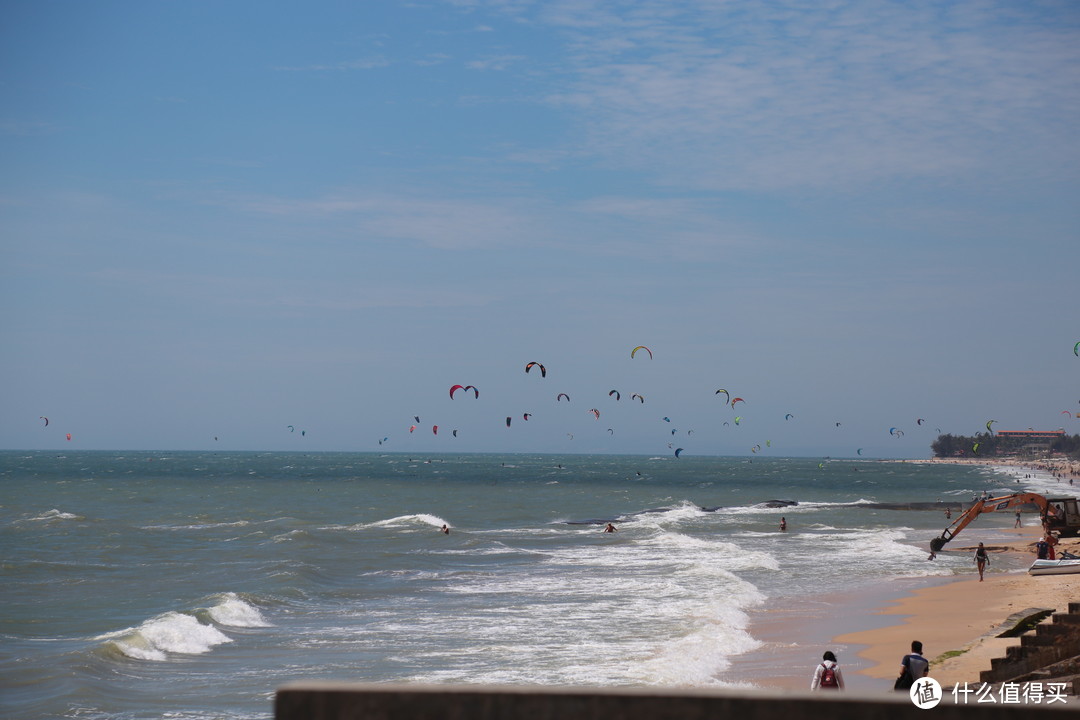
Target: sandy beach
[[957, 619]]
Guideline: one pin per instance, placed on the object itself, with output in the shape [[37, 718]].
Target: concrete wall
[[330, 701], [1051, 643]]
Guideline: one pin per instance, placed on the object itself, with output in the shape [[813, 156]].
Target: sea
[[194, 584]]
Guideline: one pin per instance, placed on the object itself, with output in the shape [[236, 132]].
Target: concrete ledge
[[342, 701]]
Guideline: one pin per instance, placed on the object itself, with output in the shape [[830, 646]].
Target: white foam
[[172, 632], [234, 612], [406, 520], [54, 514], [1034, 480]]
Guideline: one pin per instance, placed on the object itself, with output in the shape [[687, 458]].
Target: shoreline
[[957, 618]]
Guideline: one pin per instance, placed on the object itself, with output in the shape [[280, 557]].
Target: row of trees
[[988, 444]]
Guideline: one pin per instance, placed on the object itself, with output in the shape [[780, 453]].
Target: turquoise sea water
[[191, 585]]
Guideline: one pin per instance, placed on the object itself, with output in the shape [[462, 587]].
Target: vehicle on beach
[[1062, 566], [1060, 515]]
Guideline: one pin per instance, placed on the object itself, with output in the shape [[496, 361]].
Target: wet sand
[[956, 619]]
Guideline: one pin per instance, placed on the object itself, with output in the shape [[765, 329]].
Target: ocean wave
[[53, 514], [232, 611], [172, 632], [198, 526], [405, 521]]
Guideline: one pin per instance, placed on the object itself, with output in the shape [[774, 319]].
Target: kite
[[543, 370], [859, 451], [526, 416], [560, 396], [1076, 349], [920, 421], [412, 428], [788, 416], [570, 435], [611, 431], [291, 428], [737, 400], [678, 452], [892, 431], [507, 421], [595, 412], [434, 429], [466, 388], [639, 397], [737, 419], [42, 417], [416, 418], [69, 437], [988, 424], [641, 347], [667, 419], [727, 395], [455, 433], [975, 448], [616, 394]]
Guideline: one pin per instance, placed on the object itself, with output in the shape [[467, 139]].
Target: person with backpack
[[912, 667], [827, 674]]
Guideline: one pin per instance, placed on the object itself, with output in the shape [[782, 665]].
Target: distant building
[[1031, 434], [1031, 443]]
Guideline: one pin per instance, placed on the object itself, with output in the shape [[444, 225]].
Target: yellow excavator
[[1058, 514]]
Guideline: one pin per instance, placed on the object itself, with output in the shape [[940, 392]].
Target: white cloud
[[345, 65], [762, 96], [439, 222], [495, 62]]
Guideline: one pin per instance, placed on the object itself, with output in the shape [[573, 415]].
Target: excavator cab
[[1065, 519]]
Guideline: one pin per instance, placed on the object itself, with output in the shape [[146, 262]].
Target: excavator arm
[[988, 505]]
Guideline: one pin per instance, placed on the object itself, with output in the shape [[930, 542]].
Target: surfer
[[610, 528], [445, 530]]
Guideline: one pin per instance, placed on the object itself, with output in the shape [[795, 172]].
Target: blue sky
[[221, 219]]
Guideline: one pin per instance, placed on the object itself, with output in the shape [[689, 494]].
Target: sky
[[220, 220]]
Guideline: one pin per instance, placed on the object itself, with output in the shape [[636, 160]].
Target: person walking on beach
[[1018, 522], [827, 674], [982, 559], [912, 667]]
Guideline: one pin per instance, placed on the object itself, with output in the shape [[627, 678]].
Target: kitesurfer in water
[[445, 530], [610, 528], [783, 524]]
